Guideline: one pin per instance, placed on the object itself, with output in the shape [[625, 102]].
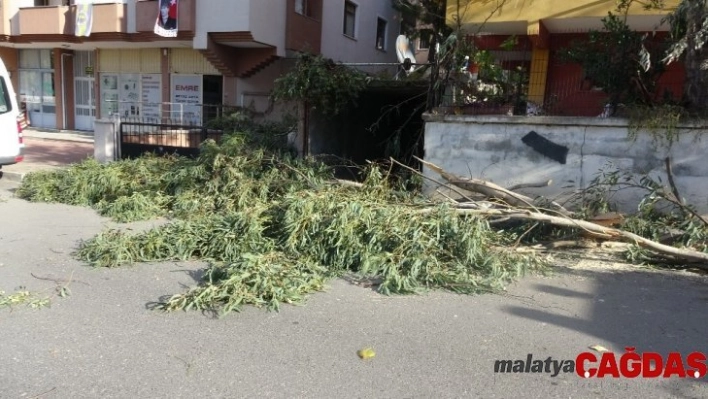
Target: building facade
[[218, 52], [542, 29]]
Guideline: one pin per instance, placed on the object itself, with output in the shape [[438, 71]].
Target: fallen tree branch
[[489, 189], [484, 187], [348, 183], [530, 185], [461, 194], [686, 255], [687, 211], [670, 175]]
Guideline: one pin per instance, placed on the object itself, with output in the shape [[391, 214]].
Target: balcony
[[147, 10], [108, 18], [60, 20], [46, 21]]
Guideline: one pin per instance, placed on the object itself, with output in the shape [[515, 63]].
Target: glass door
[[85, 104], [37, 93]]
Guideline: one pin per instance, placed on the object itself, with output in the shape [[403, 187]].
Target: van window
[[5, 104]]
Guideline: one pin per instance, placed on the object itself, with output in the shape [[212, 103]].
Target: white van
[[11, 143]]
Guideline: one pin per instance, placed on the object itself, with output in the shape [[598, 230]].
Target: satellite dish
[[404, 53]]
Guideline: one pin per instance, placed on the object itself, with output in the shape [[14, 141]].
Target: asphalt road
[[102, 341]]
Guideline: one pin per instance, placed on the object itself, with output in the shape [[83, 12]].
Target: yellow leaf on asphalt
[[599, 348], [367, 353]]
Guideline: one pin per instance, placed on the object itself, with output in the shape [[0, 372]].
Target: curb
[[65, 139], [16, 177]]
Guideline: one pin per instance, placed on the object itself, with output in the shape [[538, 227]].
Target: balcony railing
[[60, 20], [46, 21]]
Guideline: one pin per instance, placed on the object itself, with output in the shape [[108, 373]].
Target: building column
[[64, 88], [97, 82], [539, 62], [166, 110]]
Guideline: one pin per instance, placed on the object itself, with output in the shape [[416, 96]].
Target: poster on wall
[[84, 17], [187, 90], [166, 24], [109, 94], [129, 95], [151, 90]]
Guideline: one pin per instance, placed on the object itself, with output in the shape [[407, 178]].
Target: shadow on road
[[653, 312]]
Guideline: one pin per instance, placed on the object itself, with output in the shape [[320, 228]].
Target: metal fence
[[488, 81], [169, 113], [139, 138]]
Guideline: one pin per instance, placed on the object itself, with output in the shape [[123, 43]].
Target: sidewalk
[[47, 149]]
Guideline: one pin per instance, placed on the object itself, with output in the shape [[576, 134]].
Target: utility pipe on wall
[[63, 87]]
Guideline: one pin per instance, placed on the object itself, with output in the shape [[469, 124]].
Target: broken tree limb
[[687, 211], [670, 175], [530, 185], [488, 189], [480, 186], [348, 183], [461, 194], [687, 255]]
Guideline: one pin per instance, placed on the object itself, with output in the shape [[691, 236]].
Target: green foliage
[[132, 185], [689, 28], [275, 228], [612, 59], [23, 297], [262, 279], [272, 136], [661, 122], [659, 217], [321, 83]]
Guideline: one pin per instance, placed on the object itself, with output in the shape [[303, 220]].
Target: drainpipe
[[63, 86]]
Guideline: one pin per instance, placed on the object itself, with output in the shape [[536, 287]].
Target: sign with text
[[151, 85], [129, 89], [109, 94], [187, 90]]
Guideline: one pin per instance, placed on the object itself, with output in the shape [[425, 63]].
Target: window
[[36, 59], [303, 7], [381, 26], [41, 3], [5, 104], [424, 40], [349, 19]]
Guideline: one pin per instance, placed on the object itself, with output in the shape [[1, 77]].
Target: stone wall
[[491, 148]]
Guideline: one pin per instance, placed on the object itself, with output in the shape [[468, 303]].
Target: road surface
[[103, 342]]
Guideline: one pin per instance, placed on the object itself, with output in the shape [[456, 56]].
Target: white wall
[[341, 48], [11, 11], [490, 148], [220, 16], [268, 19], [265, 19]]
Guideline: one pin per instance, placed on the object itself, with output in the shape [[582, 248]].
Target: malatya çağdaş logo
[[630, 364]]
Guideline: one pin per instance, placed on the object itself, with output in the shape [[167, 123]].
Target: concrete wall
[[339, 47], [255, 90], [491, 148]]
